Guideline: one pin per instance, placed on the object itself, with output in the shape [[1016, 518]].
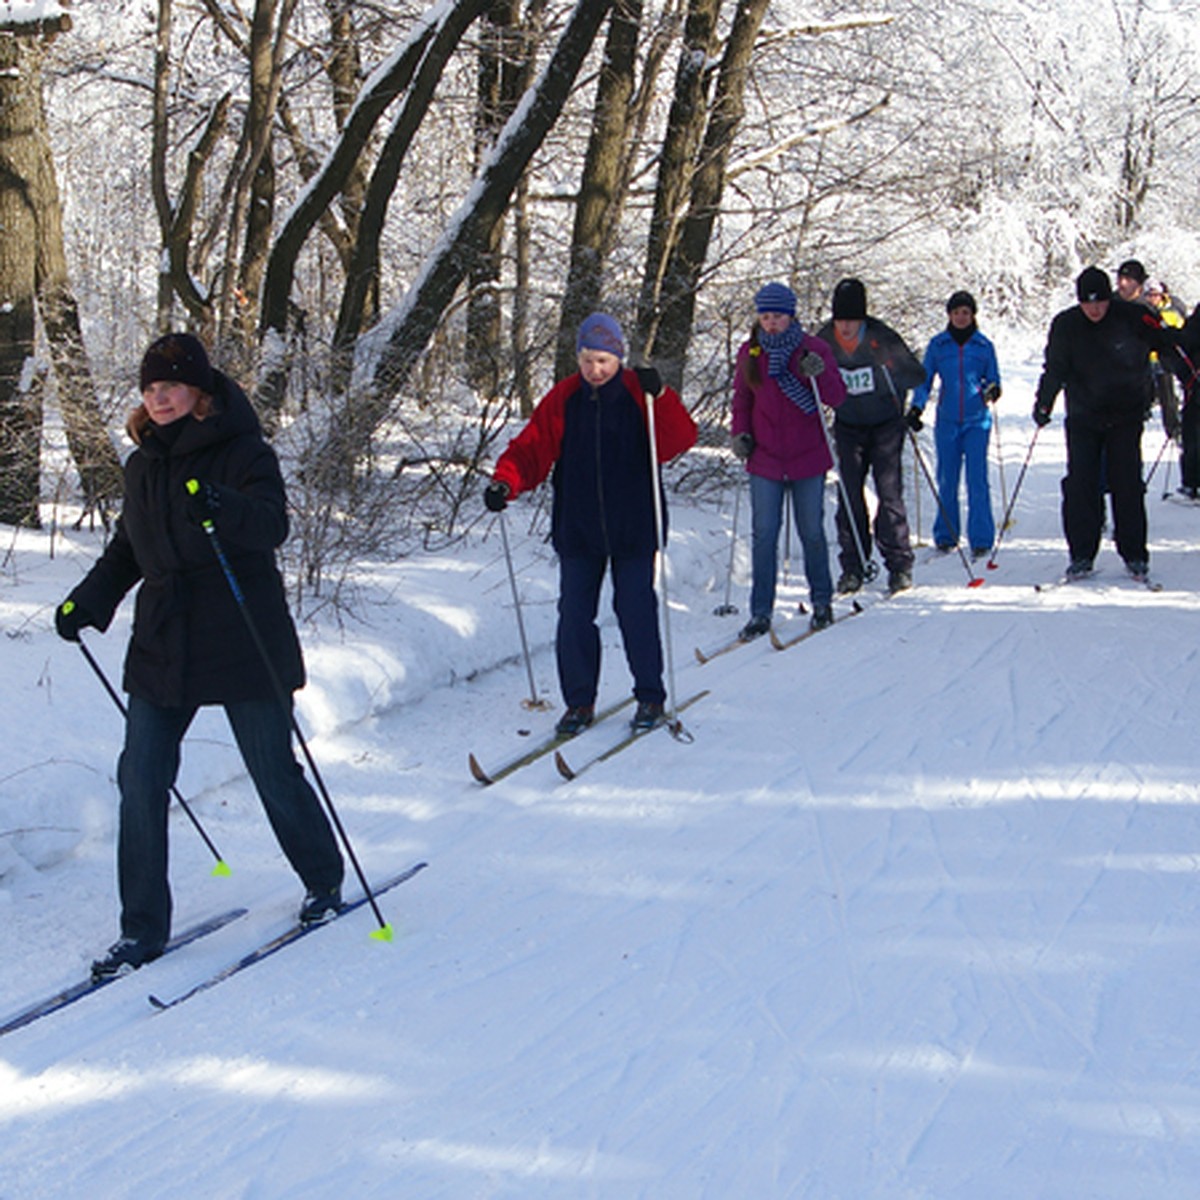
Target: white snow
[[913, 917]]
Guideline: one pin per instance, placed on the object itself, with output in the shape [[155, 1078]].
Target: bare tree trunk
[[685, 263], [422, 309], [685, 130], [92, 450], [20, 403], [314, 204], [496, 97], [363, 274], [601, 195]]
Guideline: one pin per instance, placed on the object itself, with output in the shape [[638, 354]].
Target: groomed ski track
[[913, 917]]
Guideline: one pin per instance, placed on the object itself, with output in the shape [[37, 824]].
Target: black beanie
[[1093, 284], [1132, 269], [962, 300], [176, 358], [850, 301]]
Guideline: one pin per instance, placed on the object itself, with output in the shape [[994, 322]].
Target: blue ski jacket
[[965, 370]]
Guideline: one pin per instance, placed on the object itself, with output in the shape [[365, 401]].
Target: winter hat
[[1093, 284], [176, 358], [600, 332], [776, 298], [850, 301], [962, 299], [1132, 269]]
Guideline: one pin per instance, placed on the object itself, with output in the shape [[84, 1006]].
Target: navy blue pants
[[578, 641], [146, 771]]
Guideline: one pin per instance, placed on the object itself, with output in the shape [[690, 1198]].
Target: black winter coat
[[1104, 366], [190, 643]]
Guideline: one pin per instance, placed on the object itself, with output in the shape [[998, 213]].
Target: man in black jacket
[[1098, 352]]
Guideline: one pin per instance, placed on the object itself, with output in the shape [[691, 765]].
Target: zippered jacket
[[878, 373], [965, 370], [190, 643], [596, 442], [789, 443]]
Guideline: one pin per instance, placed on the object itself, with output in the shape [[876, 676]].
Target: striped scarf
[[780, 347]]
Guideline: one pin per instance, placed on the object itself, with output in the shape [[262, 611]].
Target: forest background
[[388, 218]]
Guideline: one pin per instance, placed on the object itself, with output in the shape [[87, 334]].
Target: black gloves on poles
[[495, 496]]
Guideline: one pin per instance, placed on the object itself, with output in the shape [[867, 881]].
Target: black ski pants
[[876, 449], [1189, 459], [1104, 453]]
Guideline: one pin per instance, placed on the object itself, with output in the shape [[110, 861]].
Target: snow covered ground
[[914, 916]]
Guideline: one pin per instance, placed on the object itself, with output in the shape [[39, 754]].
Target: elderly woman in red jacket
[[591, 430], [777, 430]]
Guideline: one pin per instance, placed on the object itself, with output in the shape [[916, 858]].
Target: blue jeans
[[578, 642], [146, 772], [766, 506]]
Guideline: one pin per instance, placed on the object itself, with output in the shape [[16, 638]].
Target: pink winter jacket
[[788, 442]]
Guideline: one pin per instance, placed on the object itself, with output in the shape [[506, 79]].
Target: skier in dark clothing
[[1098, 352], [592, 430], [878, 369], [190, 645]]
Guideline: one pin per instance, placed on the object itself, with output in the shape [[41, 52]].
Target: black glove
[[811, 364], [495, 496], [69, 619], [1041, 414], [743, 444], [203, 502], [912, 419], [650, 380], [991, 393]]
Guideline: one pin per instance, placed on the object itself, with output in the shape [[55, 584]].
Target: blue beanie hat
[[600, 332], [776, 298]]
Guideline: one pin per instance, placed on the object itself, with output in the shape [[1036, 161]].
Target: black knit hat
[[962, 299], [1132, 269], [1093, 284], [176, 358], [850, 301]]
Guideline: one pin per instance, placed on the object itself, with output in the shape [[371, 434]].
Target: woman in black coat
[[190, 645]]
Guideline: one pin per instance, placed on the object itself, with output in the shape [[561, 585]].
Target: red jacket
[[597, 443]]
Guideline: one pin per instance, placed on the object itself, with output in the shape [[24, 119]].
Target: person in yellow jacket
[[1155, 294]]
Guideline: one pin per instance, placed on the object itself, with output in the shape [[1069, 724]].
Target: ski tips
[[383, 934], [156, 1003], [481, 776], [222, 868], [564, 767], [976, 581]]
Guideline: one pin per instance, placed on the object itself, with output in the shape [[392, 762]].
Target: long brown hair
[[139, 421]]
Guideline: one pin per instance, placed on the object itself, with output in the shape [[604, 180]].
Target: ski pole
[[533, 702], [1162, 450], [999, 454], [870, 569], [1004, 525], [384, 932], [973, 580], [674, 724], [222, 867], [728, 609]]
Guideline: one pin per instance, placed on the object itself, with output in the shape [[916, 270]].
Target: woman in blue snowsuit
[[965, 362]]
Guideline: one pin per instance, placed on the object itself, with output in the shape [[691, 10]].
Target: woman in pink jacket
[[777, 431]]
